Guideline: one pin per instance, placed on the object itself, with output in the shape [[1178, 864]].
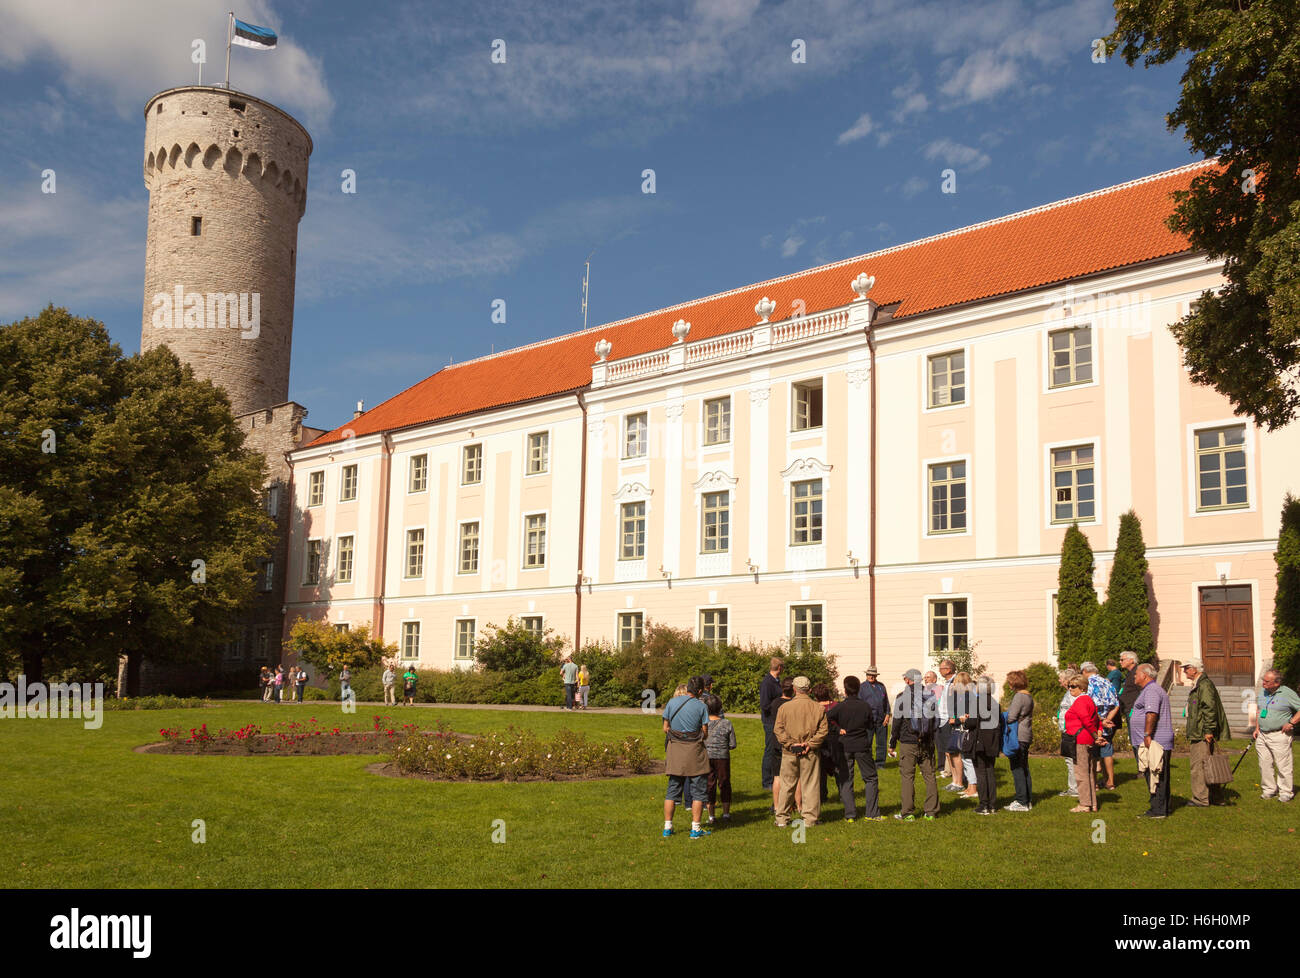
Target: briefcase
[[1217, 770]]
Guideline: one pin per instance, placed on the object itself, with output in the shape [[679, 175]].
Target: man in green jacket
[[1207, 723]]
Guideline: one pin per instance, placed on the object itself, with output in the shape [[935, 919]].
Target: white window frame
[[699, 500], [1097, 481], [343, 482], [528, 453], [645, 534], [618, 629], [464, 463], [338, 557], [523, 540], [965, 351], [1046, 345], [925, 616], [789, 619], [406, 553], [699, 623], [1053, 609], [311, 486], [306, 562], [478, 549], [811, 430], [523, 620], [401, 639], [410, 473], [1194, 477], [707, 445], [925, 496], [273, 500], [789, 540], [623, 441], [455, 633]]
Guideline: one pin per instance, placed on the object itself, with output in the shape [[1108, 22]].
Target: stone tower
[[227, 180]]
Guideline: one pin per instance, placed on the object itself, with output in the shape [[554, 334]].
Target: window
[[415, 553], [348, 484], [418, 476], [1056, 649], [469, 548], [471, 470], [232, 650], [806, 627], [1073, 489], [267, 576], [806, 515], [636, 435], [535, 541], [465, 638], [807, 405], [273, 500], [344, 575], [948, 379], [196, 226], [539, 452], [1071, 353], [948, 497], [1221, 468], [633, 531], [713, 626], [315, 488], [948, 625], [311, 572], [533, 625], [263, 644], [410, 640], [715, 530], [630, 626], [717, 421], [342, 628]]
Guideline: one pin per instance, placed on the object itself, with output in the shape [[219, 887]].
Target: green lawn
[[81, 809]]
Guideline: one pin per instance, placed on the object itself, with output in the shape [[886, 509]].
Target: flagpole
[[230, 27]]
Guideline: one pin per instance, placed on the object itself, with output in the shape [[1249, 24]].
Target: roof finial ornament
[[680, 329], [862, 285], [604, 348], [765, 308]]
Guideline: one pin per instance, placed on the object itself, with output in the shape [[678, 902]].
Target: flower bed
[[288, 737], [518, 755]]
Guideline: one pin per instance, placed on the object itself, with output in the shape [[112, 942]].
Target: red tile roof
[[1105, 229]]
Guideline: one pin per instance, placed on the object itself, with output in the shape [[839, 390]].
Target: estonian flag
[[252, 37]]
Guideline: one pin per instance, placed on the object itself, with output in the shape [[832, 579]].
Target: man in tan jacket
[[800, 729]]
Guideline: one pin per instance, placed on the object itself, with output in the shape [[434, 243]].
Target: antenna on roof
[[586, 279]]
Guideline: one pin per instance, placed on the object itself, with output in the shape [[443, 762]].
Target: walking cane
[[1242, 757]]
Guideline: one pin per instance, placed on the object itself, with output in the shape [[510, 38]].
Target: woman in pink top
[[1082, 719]]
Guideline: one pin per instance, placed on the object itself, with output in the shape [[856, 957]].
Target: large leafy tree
[[318, 643], [1076, 598], [1286, 605], [129, 516], [1124, 620], [1240, 99]]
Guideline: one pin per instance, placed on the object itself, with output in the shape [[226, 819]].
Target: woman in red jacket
[[1081, 719]]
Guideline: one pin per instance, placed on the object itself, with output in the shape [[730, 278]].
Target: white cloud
[[858, 130], [956, 154], [913, 186], [128, 49], [982, 75], [791, 245]]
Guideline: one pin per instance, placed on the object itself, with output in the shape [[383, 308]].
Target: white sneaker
[[1015, 806]]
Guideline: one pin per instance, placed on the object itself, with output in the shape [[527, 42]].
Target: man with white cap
[[874, 692], [800, 729], [1207, 724]]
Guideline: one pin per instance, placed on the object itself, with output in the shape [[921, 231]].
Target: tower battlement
[[227, 180]]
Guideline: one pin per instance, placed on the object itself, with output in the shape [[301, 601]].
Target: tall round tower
[[227, 180]]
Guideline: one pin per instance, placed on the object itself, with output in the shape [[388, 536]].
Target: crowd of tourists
[[283, 687], [951, 725]]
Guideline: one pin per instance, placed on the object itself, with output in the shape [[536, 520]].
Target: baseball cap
[[1194, 664]]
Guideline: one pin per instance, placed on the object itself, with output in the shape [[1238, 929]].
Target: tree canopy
[[129, 509], [1240, 99]]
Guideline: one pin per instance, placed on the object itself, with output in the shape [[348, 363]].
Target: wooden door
[[1228, 635]]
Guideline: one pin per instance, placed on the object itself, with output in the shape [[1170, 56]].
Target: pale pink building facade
[[719, 474]]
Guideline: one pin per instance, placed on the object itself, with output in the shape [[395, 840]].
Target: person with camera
[[800, 730]]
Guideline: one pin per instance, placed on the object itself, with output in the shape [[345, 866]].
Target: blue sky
[[479, 181]]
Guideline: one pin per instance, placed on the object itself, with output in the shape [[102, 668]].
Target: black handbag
[[1070, 745]]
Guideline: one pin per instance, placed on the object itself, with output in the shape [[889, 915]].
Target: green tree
[[1076, 599], [318, 643], [1124, 619], [1286, 603], [516, 648], [130, 521], [1240, 99]]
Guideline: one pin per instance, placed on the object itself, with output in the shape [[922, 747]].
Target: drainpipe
[[871, 556], [582, 523], [385, 481]]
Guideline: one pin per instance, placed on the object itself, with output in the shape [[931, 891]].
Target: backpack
[[1010, 736]]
